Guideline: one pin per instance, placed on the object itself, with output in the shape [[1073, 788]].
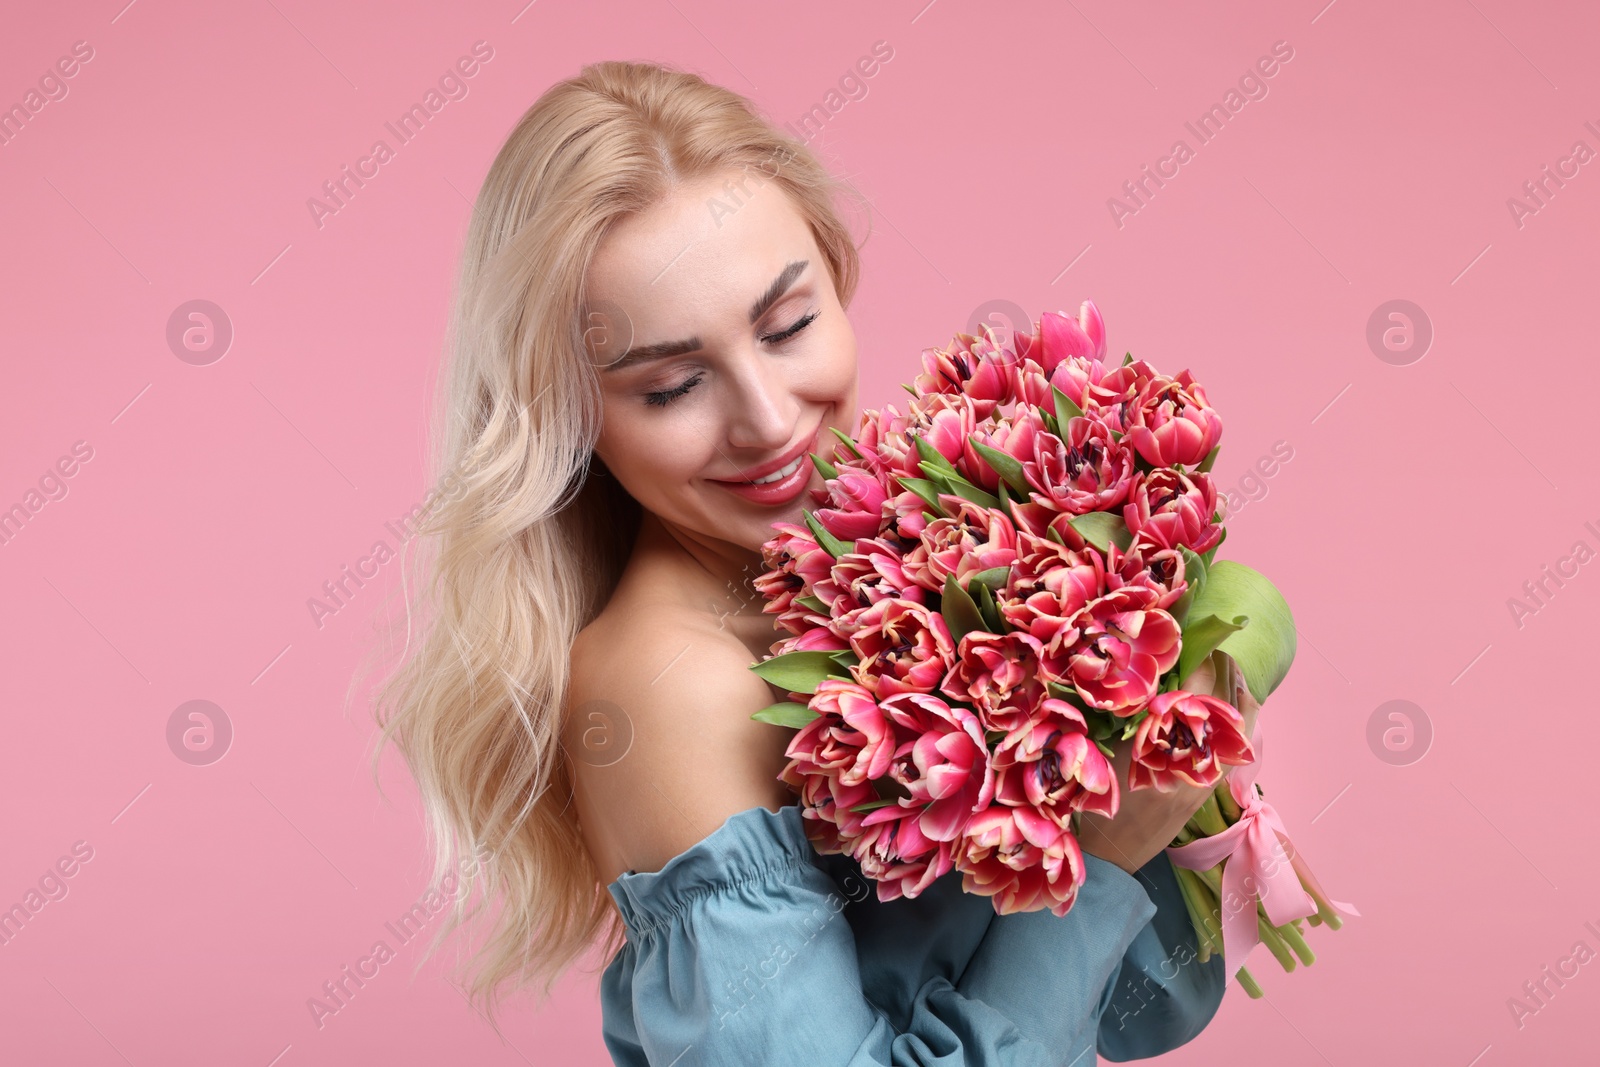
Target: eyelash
[[667, 396]]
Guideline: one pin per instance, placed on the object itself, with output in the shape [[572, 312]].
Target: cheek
[[836, 367], [649, 450]]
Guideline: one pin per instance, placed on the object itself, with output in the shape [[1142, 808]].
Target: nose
[[766, 409]]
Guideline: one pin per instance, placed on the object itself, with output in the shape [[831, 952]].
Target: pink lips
[[772, 494]]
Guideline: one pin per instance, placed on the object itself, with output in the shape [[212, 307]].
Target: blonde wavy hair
[[525, 534]]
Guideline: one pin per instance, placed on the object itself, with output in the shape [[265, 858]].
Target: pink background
[[219, 498]]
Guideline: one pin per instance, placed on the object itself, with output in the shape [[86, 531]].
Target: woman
[[649, 338]]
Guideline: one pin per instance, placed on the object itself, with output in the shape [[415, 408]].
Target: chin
[[756, 531]]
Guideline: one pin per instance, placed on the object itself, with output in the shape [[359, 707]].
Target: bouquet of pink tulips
[[996, 584]]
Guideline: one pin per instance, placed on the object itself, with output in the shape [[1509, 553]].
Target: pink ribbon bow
[[1258, 867]]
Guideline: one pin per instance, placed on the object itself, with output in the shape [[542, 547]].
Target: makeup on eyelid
[[663, 397]]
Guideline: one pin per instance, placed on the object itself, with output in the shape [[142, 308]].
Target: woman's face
[[723, 357]]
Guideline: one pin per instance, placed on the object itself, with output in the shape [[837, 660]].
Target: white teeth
[[779, 474]]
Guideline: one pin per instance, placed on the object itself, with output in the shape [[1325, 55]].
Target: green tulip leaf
[[1264, 649], [932, 458], [798, 672], [959, 486], [1066, 410], [1194, 577], [1201, 636], [848, 440], [993, 578], [988, 609], [928, 491], [785, 713], [961, 614], [830, 544], [1101, 528], [1007, 466]]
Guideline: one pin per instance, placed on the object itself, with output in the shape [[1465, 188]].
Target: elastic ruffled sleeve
[[737, 953]]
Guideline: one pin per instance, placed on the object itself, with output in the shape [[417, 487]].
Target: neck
[[729, 567]]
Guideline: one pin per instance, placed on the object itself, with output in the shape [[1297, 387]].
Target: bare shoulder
[[659, 732]]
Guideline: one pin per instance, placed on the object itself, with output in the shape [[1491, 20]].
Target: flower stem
[[1247, 980], [1290, 932], [1196, 918], [1271, 938], [1203, 912], [1225, 802], [1212, 876], [1209, 817], [1325, 912]]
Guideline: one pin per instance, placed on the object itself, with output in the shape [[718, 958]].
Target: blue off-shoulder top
[[751, 949]]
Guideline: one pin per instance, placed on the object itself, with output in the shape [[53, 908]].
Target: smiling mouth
[[781, 473]]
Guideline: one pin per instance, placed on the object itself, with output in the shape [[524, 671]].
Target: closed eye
[[664, 397], [777, 338]]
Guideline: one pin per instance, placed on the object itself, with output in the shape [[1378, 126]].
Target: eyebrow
[[780, 285]]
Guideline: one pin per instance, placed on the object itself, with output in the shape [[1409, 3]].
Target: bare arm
[[679, 697]]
